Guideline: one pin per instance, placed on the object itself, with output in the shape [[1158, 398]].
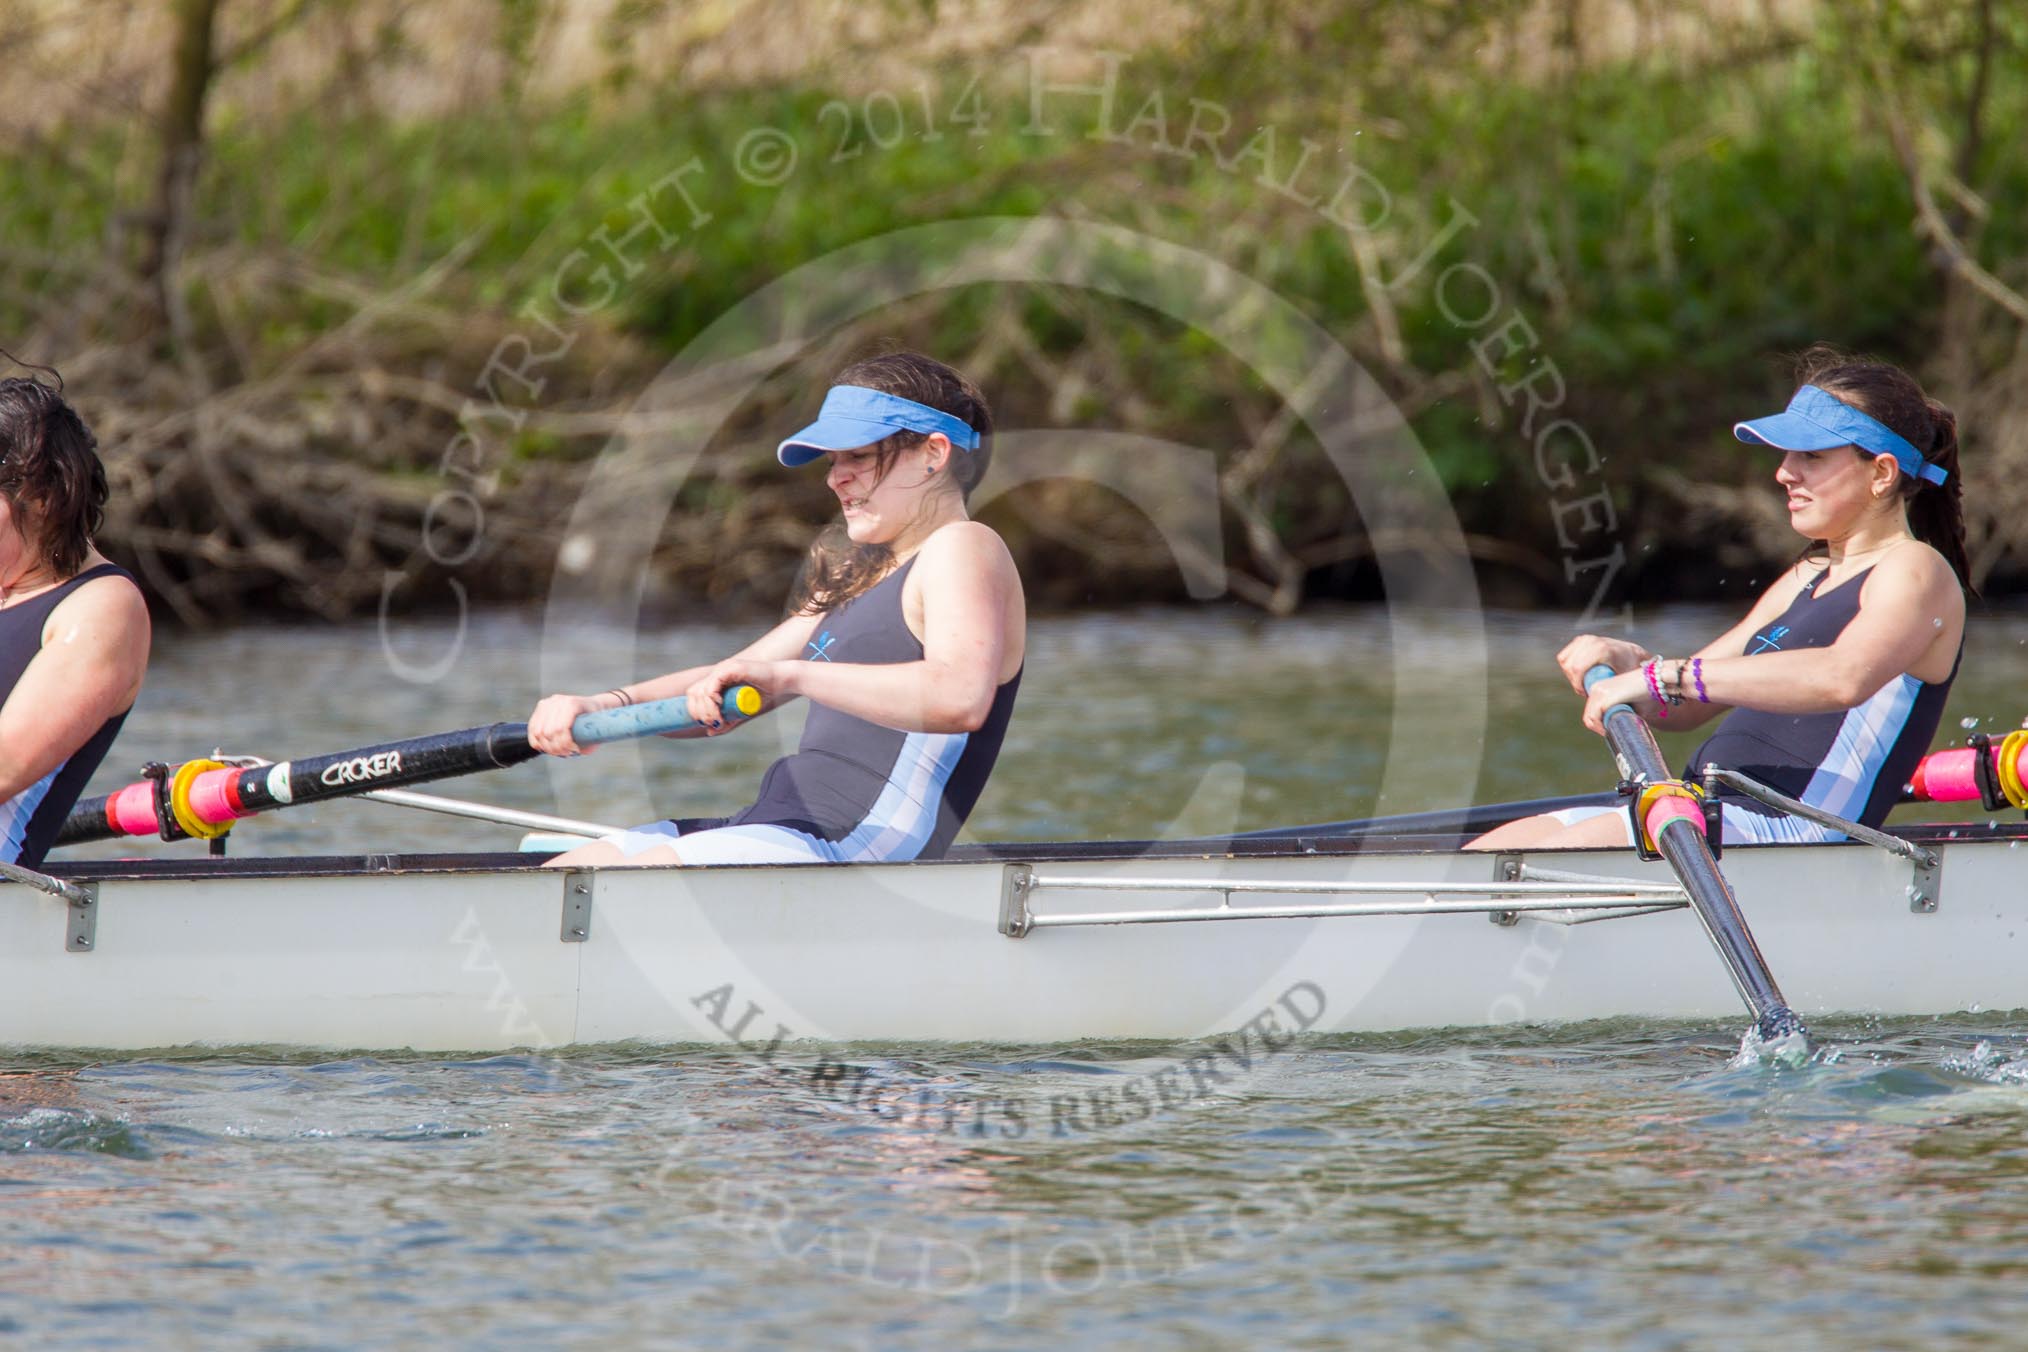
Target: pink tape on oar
[[131, 811], [1666, 810], [212, 797], [1948, 776]]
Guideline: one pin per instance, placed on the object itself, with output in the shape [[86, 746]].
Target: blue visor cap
[[854, 416], [1816, 421]]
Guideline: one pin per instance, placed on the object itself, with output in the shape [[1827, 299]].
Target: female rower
[[73, 628], [1836, 679], [906, 633]]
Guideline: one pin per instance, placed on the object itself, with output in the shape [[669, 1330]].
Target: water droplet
[[1968, 723]]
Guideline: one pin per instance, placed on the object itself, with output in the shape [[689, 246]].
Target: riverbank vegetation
[[358, 296]]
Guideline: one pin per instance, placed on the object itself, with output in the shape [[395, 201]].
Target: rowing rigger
[[203, 798]]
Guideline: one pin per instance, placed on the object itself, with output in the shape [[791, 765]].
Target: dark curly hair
[[50, 473]]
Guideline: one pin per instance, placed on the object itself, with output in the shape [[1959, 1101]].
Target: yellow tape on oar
[[1654, 793], [2010, 768], [179, 800]]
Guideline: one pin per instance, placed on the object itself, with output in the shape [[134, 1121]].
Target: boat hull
[[486, 954]]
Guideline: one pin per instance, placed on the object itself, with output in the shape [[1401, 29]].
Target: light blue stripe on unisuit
[[18, 811], [1845, 780], [904, 816]]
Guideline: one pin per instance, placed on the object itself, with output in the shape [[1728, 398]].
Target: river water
[[1608, 1185]]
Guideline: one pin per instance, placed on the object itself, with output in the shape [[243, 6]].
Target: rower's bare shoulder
[[968, 544], [1917, 566], [111, 606]]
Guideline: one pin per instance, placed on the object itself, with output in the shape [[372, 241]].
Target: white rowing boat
[[1010, 945]]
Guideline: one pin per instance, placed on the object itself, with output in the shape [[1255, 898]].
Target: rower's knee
[[597, 854], [1523, 834]]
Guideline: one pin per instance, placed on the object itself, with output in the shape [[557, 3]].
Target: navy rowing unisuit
[[855, 790], [1849, 761], [30, 819]]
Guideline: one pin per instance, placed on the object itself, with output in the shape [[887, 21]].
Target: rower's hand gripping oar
[[1676, 826], [204, 798]]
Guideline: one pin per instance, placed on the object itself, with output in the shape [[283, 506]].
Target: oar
[[1950, 776], [1677, 828], [204, 798]]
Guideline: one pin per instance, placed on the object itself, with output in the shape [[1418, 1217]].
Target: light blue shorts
[[1742, 826], [754, 844]]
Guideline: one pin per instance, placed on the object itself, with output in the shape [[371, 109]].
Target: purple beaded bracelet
[[1697, 679]]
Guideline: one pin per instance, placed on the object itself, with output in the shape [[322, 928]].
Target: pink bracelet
[[1697, 679], [1655, 689]]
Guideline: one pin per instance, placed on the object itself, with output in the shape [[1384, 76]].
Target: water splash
[[1789, 1050], [1985, 1062]]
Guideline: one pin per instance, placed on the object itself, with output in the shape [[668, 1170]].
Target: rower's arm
[[90, 667], [783, 643], [549, 725], [1694, 713], [1911, 598]]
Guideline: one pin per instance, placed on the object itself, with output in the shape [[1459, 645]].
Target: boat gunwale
[[85, 871]]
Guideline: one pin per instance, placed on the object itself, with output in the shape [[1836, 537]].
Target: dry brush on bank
[[283, 340]]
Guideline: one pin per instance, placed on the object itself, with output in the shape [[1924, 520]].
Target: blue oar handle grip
[[740, 702], [1593, 677]]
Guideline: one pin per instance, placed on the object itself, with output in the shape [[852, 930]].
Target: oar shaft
[[213, 798], [1679, 836], [419, 760]]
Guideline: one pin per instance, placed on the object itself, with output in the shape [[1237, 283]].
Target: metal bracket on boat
[[82, 935], [1506, 869], [1015, 884], [82, 899], [578, 885], [1926, 888]]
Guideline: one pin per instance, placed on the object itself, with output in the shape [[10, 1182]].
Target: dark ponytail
[[1888, 394], [838, 569], [1936, 512]]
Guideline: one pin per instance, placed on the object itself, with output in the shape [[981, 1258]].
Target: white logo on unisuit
[[362, 768]]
